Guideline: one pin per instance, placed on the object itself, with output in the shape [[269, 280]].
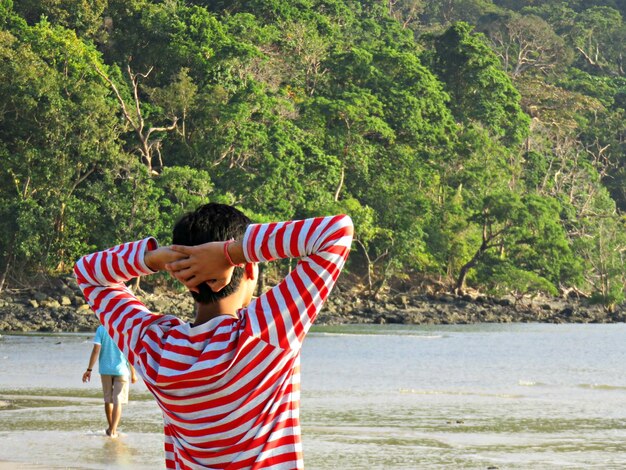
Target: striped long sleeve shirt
[[229, 389]]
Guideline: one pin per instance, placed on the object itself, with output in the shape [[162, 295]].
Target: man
[[228, 383], [114, 372]]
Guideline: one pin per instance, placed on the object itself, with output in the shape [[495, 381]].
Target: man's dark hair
[[212, 223]]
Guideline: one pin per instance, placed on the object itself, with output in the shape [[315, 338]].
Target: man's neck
[[206, 312]]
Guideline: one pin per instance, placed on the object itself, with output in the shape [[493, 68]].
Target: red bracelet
[[229, 260]]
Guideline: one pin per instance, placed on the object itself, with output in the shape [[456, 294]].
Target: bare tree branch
[[146, 145]]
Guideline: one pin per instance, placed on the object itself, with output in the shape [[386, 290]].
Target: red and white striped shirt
[[229, 389]]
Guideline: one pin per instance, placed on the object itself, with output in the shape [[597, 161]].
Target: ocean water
[[506, 396]]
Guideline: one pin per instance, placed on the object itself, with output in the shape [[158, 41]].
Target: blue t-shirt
[[111, 360]]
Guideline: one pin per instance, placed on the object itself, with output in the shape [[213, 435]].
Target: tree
[[407, 12], [447, 12], [82, 16], [479, 89], [527, 234], [383, 115], [148, 146], [601, 243], [48, 152], [526, 43], [176, 99], [503, 278], [478, 165], [310, 50], [560, 15], [571, 158], [597, 36]]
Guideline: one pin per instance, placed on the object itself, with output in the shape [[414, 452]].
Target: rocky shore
[[60, 307]]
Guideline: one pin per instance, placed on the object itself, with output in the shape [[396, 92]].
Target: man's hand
[[157, 259], [205, 263], [87, 376]]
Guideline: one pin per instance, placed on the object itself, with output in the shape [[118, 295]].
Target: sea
[[483, 396]]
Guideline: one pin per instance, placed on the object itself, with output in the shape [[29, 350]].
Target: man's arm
[[283, 315], [101, 277], [95, 352]]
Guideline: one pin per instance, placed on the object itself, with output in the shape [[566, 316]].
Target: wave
[[602, 387], [385, 333], [457, 392], [530, 383]]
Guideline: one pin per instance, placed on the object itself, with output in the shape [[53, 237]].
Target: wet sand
[[516, 396]]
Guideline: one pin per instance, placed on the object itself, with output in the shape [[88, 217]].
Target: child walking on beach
[[228, 384], [114, 372]]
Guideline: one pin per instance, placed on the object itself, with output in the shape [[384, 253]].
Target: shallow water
[[373, 397]]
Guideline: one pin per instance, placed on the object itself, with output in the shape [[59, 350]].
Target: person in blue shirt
[[114, 371]]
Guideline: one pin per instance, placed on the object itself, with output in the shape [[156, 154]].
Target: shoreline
[[12, 465], [62, 308]]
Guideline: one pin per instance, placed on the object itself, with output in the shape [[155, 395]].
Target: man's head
[[212, 223]]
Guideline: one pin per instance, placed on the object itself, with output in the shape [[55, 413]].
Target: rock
[[68, 317], [50, 304], [67, 292], [161, 304], [83, 309], [617, 316], [330, 309], [67, 311]]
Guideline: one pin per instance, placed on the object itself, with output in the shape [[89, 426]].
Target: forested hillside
[[474, 143]]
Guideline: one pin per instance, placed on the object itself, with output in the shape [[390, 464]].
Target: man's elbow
[[346, 226], [79, 268], [349, 225]]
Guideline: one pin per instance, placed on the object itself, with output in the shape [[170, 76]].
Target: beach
[[508, 396]]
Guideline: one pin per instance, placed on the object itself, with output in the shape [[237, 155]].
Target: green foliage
[[6, 11], [520, 231], [601, 248], [56, 129], [605, 89], [397, 113], [451, 11], [598, 35], [82, 16], [501, 277], [526, 43], [559, 14], [480, 91]]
